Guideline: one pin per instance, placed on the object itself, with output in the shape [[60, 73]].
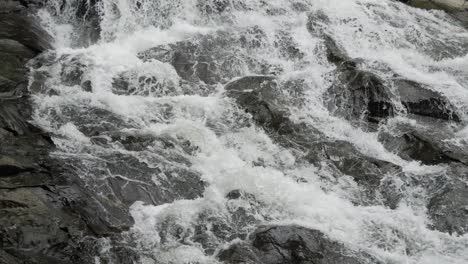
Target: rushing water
[[226, 147]]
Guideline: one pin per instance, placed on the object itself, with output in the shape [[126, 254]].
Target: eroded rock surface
[[291, 244], [448, 206], [261, 97]]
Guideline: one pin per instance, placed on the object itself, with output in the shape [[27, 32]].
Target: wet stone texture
[[48, 212], [291, 244], [448, 207], [261, 97]]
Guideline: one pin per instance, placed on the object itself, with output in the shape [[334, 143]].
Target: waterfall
[[150, 101]]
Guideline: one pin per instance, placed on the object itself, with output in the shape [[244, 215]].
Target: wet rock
[[45, 209], [420, 100], [213, 6], [369, 173], [84, 16], [25, 29], [458, 9], [260, 96], [134, 181], [359, 95], [335, 53], [12, 70], [291, 244], [414, 146], [6, 258], [427, 140], [287, 46], [214, 58], [9, 166], [447, 5], [448, 207], [316, 25], [72, 72], [21, 38]]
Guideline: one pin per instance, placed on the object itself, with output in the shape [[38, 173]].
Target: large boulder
[[359, 95], [428, 140], [218, 57], [21, 38], [448, 205], [420, 100], [368, 172], [260, 96], [292, 244], [47, 214], [45, 209]]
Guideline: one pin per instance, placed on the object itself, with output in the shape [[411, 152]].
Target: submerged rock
[[260, 96], [359, 95], [448, 207], [214, 58], [21, 38], [46, 211], [369, 173], [428, 140], [291, 244], [420, 100]]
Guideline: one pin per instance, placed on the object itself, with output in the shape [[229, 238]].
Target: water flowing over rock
[[216, 131], [291, 244], [358, 94], [448, 206]]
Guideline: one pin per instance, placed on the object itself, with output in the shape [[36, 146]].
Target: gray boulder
[[289, 245], [420, 100], [448, 206], [428, 141], [368, 172], [359, 95]]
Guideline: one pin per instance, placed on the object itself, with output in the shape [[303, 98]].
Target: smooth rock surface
[[289, 245], [448, 207]]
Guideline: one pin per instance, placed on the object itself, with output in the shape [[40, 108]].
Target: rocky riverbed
[[233, 132]]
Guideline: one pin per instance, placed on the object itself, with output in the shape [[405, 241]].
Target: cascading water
[[126, 115]]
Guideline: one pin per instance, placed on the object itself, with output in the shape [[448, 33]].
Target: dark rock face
[[419, 100], [291, 244], [84, 16], [357, 94], [21, 39], [414, 145], [429, 142], [205, 59], [259, 96], [448, 207], [24, 28], [218, 57], [367, 172], [457, 10], [44, 214], [47, 215]]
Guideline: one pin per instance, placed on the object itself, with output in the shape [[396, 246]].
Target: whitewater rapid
[[424, 46]]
